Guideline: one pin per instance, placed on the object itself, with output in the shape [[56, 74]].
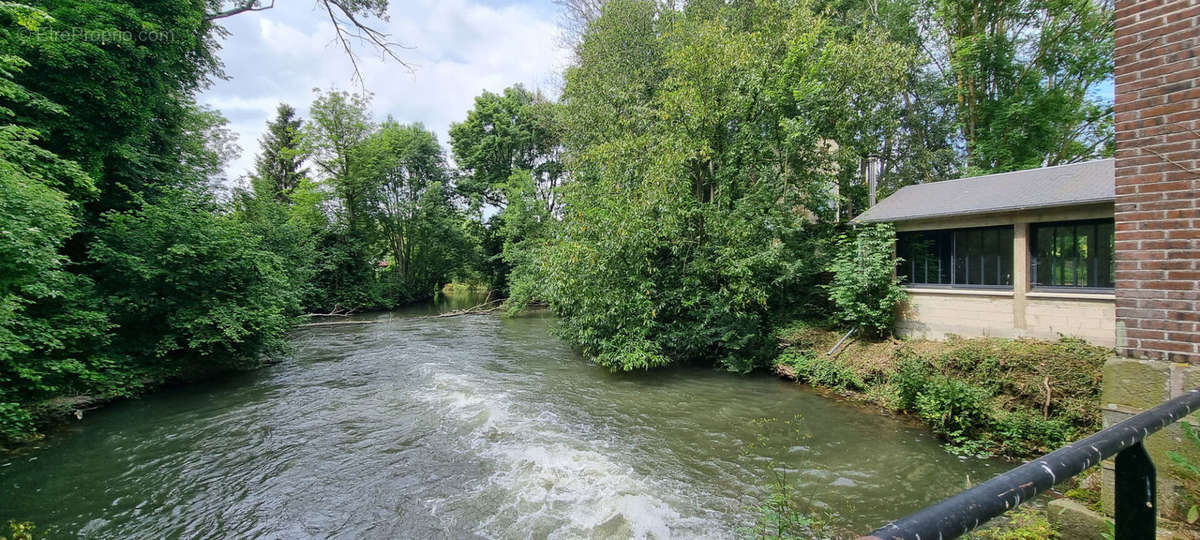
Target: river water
[[463, 427]]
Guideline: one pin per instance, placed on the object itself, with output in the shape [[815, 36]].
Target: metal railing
[[1135, 509]]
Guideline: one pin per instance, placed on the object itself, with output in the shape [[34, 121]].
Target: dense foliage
[[508, 151], [683, 196], [1019, 398], [120, 266], [702, 145], [865, 288]]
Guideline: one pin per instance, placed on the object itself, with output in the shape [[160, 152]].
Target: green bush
[[912, 373], [820, 370], [952, 407], [1026, 433], [191, 288], [865, 288], [19, 530], [1025, 523], [784, 515]]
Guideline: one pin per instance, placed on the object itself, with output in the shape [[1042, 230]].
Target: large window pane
[[924, 257], [1073, 254], [960, 257]]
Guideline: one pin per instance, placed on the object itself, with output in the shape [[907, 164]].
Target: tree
[[1024, 77], [279, 167], [283, 206], [504, 133], [190, 288], [125, 91], [410, 203], [50, 328], [865, 288], [702, 146], [509, 146], [334, 140]]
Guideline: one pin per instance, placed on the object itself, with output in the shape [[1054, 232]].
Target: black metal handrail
[[1135, 514]]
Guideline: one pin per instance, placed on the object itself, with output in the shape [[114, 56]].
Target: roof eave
[[997, 210]]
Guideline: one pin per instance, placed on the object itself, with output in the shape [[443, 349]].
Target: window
[[1072, 254], [959, 257]]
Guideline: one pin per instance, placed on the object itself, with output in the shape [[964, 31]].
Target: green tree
[[505, 133], [865, 288], [1024, 76], [409, 201], [703, 147], [50, 327], [509, 146], [126, 90], [279, 166], [335, 138], [283, 206], [190, 288]]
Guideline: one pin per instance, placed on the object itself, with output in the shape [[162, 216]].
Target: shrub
[[191, 288], [1024, 433], [865, 288], [952, 407], [912, 372], [1023, 524], [19, 530], [785, 515], [820, 370]]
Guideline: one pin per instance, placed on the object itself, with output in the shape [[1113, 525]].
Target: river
[[475, 426]]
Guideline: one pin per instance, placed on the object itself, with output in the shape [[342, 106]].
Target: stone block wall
[[1135, 385], [936, 314]]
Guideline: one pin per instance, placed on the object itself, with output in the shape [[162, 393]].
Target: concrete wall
[[935, 313], [1091, 317], [938, 313]]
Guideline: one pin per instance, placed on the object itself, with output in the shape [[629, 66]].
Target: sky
[[457, 49]]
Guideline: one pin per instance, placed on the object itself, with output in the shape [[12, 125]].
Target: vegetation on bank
[[683, 197], [787, 514], [1013, 397], [715, 150], [124, 259]]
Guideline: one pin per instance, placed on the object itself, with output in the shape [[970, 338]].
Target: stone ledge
[[960, 292], [1071, 295], [1076, 521]]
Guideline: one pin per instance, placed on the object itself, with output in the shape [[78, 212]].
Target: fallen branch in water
[[486, 307], [339, 323], [335, 312]]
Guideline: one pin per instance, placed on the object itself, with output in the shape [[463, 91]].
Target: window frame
[[1031, 246], [953, 231]]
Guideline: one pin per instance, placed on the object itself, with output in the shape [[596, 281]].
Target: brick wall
[[1158, 178]]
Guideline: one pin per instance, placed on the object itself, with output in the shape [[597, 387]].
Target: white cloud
[[459, 48]]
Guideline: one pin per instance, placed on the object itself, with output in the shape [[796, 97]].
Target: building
[[1157, 216], [1141, 295], [1020, 254]]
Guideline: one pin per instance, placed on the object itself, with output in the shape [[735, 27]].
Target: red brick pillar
[[1158, 179]]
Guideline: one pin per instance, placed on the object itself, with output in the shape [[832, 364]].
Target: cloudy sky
[[458, 49]]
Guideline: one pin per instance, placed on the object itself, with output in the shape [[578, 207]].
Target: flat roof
[[1062, 185]]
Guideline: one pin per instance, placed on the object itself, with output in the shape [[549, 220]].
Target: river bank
[[56, 414], [463, 427], [1016, 398]]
